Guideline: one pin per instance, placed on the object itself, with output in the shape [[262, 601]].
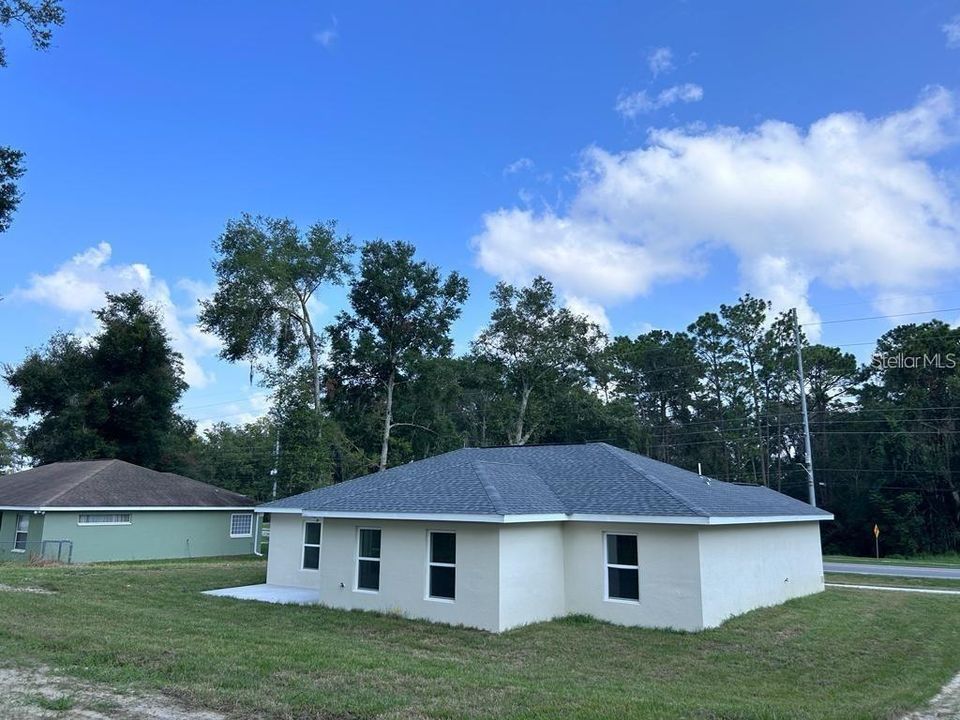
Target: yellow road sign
[[876, 531]]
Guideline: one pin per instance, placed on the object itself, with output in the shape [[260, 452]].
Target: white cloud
[[660, 60], [594, 311], [516, 166], [329, 35], [638, 103], [78, 287], [785, 286], [952, 30], [850, 202]]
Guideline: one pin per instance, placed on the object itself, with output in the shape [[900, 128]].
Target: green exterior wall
[[8, 527], [151, 535]]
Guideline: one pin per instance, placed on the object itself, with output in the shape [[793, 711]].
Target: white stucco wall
[[531, 573], [403, 568], [743, 567], [691, 577], [669, 575], [285, 554]]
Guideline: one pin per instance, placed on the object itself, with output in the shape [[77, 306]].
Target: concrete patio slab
[[282, 594]]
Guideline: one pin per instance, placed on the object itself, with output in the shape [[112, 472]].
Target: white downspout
[[256, 535]]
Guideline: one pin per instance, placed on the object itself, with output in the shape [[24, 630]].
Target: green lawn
[[843, 654], [948, 560]]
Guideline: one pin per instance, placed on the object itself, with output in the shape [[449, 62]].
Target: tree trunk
[[387, 424], [311, 337], [759, 419], [315, 364], [518, 438]]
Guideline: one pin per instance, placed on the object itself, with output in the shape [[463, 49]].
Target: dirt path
[[34, 694], [945, 706]]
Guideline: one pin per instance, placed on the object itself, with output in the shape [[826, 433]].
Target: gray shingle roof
[[595, 479], [110, 483]]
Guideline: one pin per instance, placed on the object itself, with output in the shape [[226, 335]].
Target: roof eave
[[548, 517], [126, 508]]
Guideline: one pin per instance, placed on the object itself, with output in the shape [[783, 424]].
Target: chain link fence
[[58, 551]]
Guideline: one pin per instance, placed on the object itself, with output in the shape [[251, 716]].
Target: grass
[[841, 654], [946, 560], [59, 704], [891, 581]]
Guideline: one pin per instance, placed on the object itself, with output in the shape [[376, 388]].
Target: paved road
[[893, 570]]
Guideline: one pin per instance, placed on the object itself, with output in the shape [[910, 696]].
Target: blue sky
[[653, 159]]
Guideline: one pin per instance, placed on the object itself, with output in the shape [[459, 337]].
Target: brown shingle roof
[[110, 483]]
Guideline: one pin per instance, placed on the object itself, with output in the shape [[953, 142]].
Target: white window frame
[[303, 550], [17, 532], [607, 565], [81, 522], [247, 534], [356, 579], [431, 564]]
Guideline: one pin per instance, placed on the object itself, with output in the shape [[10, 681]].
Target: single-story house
[[499, 537], [99, 510]]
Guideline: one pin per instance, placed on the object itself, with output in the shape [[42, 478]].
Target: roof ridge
[[498, 503], [390, 471], [669, 491], [81, 481], [526, 466], [194, 481]]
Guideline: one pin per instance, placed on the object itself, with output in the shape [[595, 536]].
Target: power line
[[248, 398], [881, 317], [894, 472]]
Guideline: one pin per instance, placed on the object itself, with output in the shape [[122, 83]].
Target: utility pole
[[803, 407], [276, 462]]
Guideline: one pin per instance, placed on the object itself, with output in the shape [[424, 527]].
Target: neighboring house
[[500, 537], [112, 510]]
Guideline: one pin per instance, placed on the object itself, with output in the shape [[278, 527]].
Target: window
[[623, 567], [442, 580], [311, 545], [368, 559], [20, 534], [104, 519], [241, 525]]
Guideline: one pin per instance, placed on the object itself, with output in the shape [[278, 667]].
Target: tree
[[532, 339], [268, 274], [931, 382], [38, 19], [484, 403], [719, 390], [400, 313], [112, 397], [744, 324], [11, 170], [238, 457], [659, 374], [11, 446]]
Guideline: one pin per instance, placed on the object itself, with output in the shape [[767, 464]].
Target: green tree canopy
[[11, 170], [268, 273], [401, 310], [11, 446], [110, 397], [534, 341], [38, 19]]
